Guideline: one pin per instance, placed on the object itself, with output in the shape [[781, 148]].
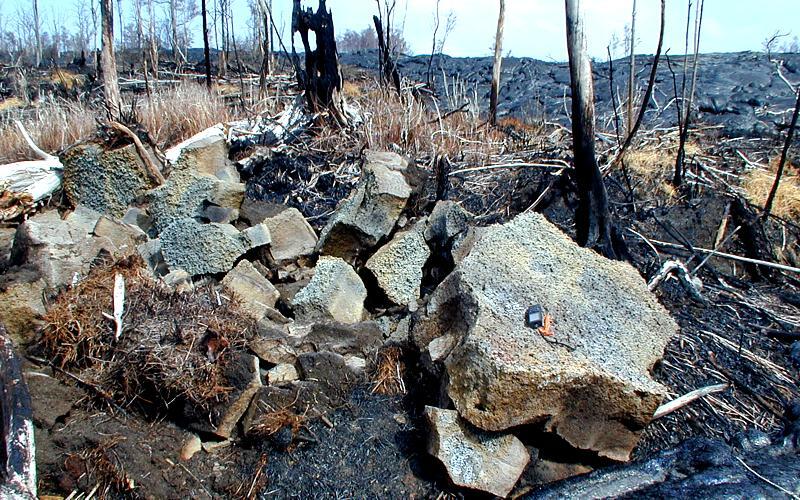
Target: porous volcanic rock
[[335, 292], [370, 213], [104, 180], [589, 382], [397, 266], [201, 248], [475, 459]]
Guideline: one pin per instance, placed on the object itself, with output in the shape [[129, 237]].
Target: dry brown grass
[[53, 125], [757, 184], [178, 113], [389, 371], [654, 165], [102, 466], [173, 347]]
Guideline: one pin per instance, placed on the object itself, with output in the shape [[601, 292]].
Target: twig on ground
[[687, 398]]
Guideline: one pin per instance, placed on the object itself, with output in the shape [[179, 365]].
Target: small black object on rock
[[534, 316]]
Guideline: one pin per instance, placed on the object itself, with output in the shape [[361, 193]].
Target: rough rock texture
[[105, 181], [124, 237], [397, 266], [187, 193], [447, 219], [205, 152], [327, 368], [292, 236], [257, 236], [369, 214], [21, 304], [335, 292], [282, 373], [475, 459], [201, 248], [61, 250], [590, 382], [253, 291]]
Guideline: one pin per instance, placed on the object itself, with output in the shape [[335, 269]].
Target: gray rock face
[[205, 152], [397, 266], [335, 292], [201, 248], [61, 250], [292, 236], [592, 385], [446, 221], [475, 459], [253, 291], [124, 237], [186, 193], [105, 181], [370, 214]]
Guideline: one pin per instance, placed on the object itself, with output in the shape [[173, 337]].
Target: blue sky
[[534, 27]]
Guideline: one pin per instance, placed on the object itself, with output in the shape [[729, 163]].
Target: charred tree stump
[[388, 68], [17, 451], [592, 217], [322, 76]]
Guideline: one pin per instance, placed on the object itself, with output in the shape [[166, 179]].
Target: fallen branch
[[728, 256], [687, 398], [692, 284], [38, 178], [153, 171]]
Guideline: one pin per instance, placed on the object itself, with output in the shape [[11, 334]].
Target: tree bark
[[37, 30], [322, 76], [592, 217], [206, 50], [631, 71], [390, 73], [498, 62], [108, 61]]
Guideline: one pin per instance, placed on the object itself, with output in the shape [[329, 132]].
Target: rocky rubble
[[322, 309]]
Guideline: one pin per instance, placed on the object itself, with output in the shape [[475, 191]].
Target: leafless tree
[[631, 70], [498, 62], [206, 50], [593, 218], [37, 29], [108, 60], [686, 103]]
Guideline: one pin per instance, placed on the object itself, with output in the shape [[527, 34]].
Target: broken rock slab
[[292, 236], [107, 181], [187, 193], [22, 304], [370, 213], [201, 248], [475, 459], [335, 292], [255, 293], [397, 266], [590, 382], [205, 152]]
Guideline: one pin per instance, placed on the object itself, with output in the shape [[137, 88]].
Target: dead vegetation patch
[[102, 466], [173, 348], [757, 184], [389, 370]]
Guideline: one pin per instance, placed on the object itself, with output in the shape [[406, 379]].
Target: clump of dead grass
[[173, 346], [757, 184], [270, 423], [389, 370], [54, 124], [100, 465], [177, 113], [654, 164]]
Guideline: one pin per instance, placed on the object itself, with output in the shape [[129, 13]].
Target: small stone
[[357, 365], [221, 215], [179, 280], [138, 217], [124, 237], [397, 266], [281, 374], [474, 459], [335, 292], [153, 257], [251, 289], [257, 236], [190, 447]]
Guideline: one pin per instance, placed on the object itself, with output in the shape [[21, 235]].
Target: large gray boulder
[[103, 180], [370, 213], [475, 459], [187, 193], [335, 292], [202, 248], [590, 381], [397, 266]]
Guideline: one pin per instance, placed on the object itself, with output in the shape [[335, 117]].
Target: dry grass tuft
[[173, 346], [654, 165], [270, 423], [757, 184], [178, 113], [389, 371], [53, 125], [101, 465]]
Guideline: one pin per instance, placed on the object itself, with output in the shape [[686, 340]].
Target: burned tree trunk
[[498, 61], [593, 216], [17, 463], [322, 76], [206, 51], [108, 61], [389, 72]]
